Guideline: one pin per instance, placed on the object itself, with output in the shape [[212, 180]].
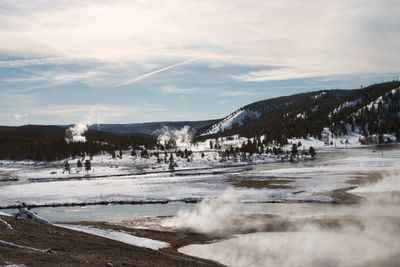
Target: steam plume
[[348, 238], [182, 137], [75, 134]]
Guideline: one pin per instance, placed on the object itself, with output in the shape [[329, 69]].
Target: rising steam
[[356, 236], [209, 216], [75, 134], [179, 138]]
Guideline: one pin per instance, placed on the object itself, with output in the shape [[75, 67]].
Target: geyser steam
[[209, 216], [332, 239], [182, 137], [75, 134]]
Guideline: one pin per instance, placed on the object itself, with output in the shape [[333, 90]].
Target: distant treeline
[[47, 143]]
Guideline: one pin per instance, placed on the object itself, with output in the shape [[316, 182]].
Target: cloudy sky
[[120, 61]]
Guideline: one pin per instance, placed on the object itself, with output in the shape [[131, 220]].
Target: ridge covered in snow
[[234, 119]]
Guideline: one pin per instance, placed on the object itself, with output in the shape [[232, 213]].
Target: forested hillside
[[373, 109], [48, 143]]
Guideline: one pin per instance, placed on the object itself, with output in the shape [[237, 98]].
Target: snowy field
[[202, 158], [118, 236], [306, 181], [237, 204]]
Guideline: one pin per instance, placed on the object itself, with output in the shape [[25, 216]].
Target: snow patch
[[347, 104], [318, 95], [118, 236], [236, 118], [30, 215]]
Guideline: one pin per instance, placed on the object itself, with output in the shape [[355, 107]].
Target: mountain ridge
[[308, 113]]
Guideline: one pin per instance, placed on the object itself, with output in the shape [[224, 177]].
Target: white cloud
[[311, 38], [224, 101], [235, 93], [98, 113], [177, 90], [48, 78], [16, 116], [71, 111], [144, 76], [30, 62]]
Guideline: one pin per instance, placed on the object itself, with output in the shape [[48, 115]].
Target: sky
[[127, 61]]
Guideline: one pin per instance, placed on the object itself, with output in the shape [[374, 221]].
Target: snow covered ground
[[308, 182], [236, 118], [118, 236], [105, 165], [203, 157]]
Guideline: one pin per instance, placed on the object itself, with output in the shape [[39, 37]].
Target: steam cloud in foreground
[[209, 216], [287, 249], [345, 239]]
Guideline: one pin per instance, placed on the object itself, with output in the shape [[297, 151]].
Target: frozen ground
[[105, 165], [309, 181]]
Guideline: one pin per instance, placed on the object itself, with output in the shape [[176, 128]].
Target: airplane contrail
[[144, 76]]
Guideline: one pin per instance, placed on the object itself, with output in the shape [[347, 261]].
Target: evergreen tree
[[312, 152], [172, 164], [88, 166], [293, 153], [67, 167]]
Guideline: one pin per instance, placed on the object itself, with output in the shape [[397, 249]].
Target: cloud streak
[[312, 38], [178, 90], [30, 62], [155, 72], [235, 93]]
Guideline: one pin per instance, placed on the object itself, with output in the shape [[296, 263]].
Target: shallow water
[[109, 213], [119, 212]]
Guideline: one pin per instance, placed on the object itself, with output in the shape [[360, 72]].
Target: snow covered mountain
[[373, 109], [235, 119]]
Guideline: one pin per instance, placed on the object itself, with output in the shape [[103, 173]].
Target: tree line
[[47, 143]]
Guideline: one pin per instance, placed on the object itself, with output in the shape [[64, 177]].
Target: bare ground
[[63, 247], [262, 182]]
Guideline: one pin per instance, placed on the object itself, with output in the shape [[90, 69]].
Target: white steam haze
[[356, 236], [75, 134], [389, 183], [387, 191], [182, 137], [209, 216], [288, 249]]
